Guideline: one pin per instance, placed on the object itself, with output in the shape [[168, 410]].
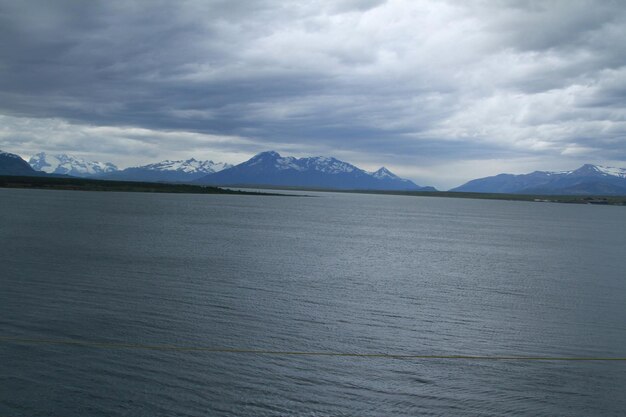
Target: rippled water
[[334, 272]]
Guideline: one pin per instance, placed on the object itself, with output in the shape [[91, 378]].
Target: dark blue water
[[335, 272]]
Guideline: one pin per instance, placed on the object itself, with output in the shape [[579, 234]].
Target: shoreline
[[88, 184], [612, 200]]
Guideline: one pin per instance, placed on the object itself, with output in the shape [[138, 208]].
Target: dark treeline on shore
[[83, 184]]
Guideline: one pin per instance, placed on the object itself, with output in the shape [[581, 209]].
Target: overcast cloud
[[440, 92]]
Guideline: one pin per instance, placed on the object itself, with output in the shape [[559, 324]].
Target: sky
[[440, 92]]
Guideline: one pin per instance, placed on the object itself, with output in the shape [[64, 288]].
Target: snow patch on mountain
[[288, 163], [616, 172], [384, 173], [328, 165], [189, 166], [316, 163], [552, 173]]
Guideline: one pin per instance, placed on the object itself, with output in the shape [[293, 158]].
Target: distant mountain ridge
[[588, 179], [266, 168], [169, 171], [69, 165], [271, 169]]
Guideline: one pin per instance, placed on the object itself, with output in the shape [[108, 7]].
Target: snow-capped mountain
[[383, 173], [588, 179], [169, 171], [11, 164], [189, 166], [69, 165], [271, 169], [595, 170]]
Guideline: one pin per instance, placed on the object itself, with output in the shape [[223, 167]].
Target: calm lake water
[[334, 272]]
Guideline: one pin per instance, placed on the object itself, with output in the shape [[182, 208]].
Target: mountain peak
[[12, 164], [267, 155], [269, 168], [614, 171], [384, 173], [599, 170], [586, 168]]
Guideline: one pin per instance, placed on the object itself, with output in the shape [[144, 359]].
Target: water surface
[[332, 273]]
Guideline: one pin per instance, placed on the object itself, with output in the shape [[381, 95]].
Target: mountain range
[[69, 165], [586, 180], [169, 171], [265, 169], [272, 169], [164, 171]]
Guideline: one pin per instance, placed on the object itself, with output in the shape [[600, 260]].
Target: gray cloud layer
[[428, 87]]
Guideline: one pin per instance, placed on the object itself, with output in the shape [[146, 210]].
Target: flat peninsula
[[85, 184]]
